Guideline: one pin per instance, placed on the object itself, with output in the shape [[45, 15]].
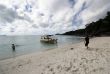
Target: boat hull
[[49, 41]]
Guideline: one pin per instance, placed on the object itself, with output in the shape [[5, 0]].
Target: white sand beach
[[70, 59]]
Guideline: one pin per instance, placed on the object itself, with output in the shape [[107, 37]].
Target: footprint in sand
[[71, 48]]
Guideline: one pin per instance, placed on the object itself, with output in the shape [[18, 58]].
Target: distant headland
[[98, 28]]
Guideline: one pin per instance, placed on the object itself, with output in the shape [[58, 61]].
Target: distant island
[[98, 28]]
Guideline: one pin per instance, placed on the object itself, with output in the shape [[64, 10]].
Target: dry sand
[[70, 59]]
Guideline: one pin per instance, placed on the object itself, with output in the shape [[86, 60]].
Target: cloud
[[72, 2], [95, 11], [49, 16], [7, 15]]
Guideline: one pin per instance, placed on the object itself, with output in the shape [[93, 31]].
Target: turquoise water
[[30, 44]]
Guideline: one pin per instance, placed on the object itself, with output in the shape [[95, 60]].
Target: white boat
[[48, 39]]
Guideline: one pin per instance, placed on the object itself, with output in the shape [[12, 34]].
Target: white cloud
[[49, 16], [96, 11]]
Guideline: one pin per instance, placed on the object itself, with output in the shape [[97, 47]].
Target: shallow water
[[30, 44]]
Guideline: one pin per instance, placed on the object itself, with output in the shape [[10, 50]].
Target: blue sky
[[36, 17]]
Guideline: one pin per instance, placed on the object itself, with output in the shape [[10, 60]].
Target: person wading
[[13, 47]]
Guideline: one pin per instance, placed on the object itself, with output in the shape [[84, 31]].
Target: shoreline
[[74, 58], [60, 46], [43, 51]]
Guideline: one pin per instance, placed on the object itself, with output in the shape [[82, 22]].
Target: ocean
[[30, 44]]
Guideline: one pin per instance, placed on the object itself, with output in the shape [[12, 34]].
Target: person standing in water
[[13, 47], [86, 41]]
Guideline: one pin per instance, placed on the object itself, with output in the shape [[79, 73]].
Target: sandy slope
[[63, 60]]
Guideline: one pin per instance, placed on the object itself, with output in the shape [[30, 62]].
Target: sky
[[39, 17]]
